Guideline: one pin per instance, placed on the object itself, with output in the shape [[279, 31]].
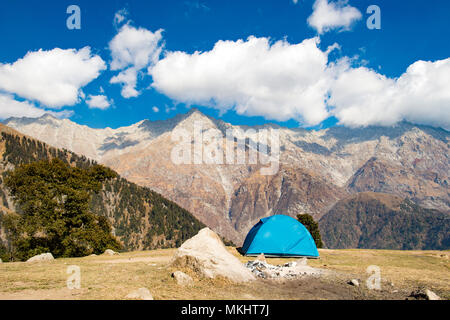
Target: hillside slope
[[371, 220], [140, 218]]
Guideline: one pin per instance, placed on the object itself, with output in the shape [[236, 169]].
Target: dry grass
[[113, 277]]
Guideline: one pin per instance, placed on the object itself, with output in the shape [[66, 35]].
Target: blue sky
[[410, 31]]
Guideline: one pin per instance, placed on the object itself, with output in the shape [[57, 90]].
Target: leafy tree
[[312, 226], [53, 203]]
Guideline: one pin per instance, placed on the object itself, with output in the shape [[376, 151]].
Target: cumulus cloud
[[420, 95], [53, 77], [128, 80], [98, 102], [282, 81], [327, 16], [155, 109], [279, 81], [132, 50], [9, 107]]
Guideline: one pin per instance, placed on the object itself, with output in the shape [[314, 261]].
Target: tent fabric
[[279, 236]]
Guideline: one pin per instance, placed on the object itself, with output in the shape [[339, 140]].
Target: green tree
[[53, 201], [312, 226]]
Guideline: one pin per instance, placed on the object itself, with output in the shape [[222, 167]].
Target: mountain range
[[317, 168]]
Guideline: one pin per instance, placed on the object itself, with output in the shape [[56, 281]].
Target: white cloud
[[53, 77], [155, 109], [120, 16], [98, 102], [128, 80], [327, 16], [283, 81], [132, 50], [279, 81], [420, 95], [9, 107]]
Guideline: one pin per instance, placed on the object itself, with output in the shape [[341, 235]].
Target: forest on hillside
[[139, 217]]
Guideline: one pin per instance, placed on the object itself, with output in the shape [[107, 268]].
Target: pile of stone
[[291, 270]]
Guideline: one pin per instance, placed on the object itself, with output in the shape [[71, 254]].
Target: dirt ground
[[113, 277]]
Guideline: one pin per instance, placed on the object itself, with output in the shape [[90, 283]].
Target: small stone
[[182, 278], [354, 282], [140, 294], [431, 295], [261, 258], [302, 262]]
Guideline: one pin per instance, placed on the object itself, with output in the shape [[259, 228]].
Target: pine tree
[[53, 200], [312, 226]]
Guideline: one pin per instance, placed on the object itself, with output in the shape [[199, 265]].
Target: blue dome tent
[[279, 236]]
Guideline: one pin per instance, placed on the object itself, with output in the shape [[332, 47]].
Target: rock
[[354, 282], [302, 262], [140, 294], [206, 255], [290, 264], [431, 295], [110, 252], [259, 268], [41, 258], [424, 294], [182, 278], [92, 255], [261, 257]]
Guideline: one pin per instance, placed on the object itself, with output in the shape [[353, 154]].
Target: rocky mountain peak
[[196, 118]]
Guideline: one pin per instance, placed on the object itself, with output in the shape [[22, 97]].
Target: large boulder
[[42, 258], [206, 255], [110, 252]]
